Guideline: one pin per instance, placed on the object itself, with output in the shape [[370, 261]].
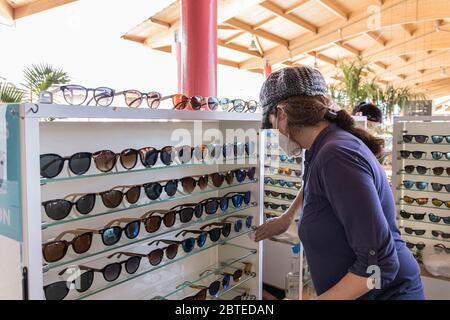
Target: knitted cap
[[290, 82]]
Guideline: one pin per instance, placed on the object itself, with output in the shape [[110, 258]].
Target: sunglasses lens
[[252, 106], [408, 200], [201, 295], [422, 185], [408, 184], [155, 257], [407, 138], [437, 187], [75, 95], [422, 170], [437, 139], [58, 209], [214, 288], [438, 171], [167, 155], [237, 201], [217, 179], [250, 148], [105, 160], [226, 281], [185, 154], [239, 105], [186, 215], [153, 100], [421, 139], [153, 190], [196, 102], [422, 201], [203, 182], [170, 218], [188, 184], [437, 155], [111, 236], [418, 154], [80, 163], [214, 234], [404, 214], [437, 202], [226, 230], [172, 251], [171, 188], [104, 96], [213, 103], [149, 156], [405, 154], [237, 275], [240, 175], [128, 158], [54, 251], [81, 244], [112, 199], [133, 98], [420, 246], [132, 265], [84, 282], [132, 229], [211, 207], [56, 291], [409, 169], [409, 245], [51, 165], [238, 226], [201, 240], [180, 102], [86, 204], [152, 224], [189, 245], [433, 218], [249, 222], [200, 152], [409, 230], [112, 272], [133, 195]]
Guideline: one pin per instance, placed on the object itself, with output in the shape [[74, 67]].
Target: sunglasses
[[441, 248], [440, 203], [407, 215], [278, 195], [419, 201], [283, 183], [439, 139], [436, 219], [59, 290], [236, 198], [134, 98], [441, 234], [51, 165], [56, 250], [416, 232], [220, 228], [438, 155], [416, 154], [181, 102], [240, 221], [439, 171], [419, 185], [152, 220], [439, 186], [408, 138], [274, 206], [190, 183], [240, 174], [284, 158], [241, 106], [420, 246], [419, 169], [77, 95]]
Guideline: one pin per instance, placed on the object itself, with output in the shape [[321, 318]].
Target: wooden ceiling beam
[[259, 46], [409, 28], [426, 76], [335, 9], [348, 48], [228, 63], [160, 22], [296, 6], [323, 58], [6, 11], [260, 33], [38, 6], [378, 38], [234, 37], [393, 12], [225, 27], [279, 12], [238, 48]]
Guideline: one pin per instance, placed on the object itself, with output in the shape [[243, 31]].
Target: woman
[[373, 114], [347, 210]]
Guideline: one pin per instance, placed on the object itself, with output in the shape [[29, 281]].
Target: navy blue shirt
[[348, 219]]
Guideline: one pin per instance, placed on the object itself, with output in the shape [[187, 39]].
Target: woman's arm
[[277, 226], [351, 287]]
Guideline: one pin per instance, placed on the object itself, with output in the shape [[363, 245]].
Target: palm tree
[[10, 93], [41, 77]]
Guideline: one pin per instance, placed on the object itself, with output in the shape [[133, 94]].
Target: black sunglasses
[[420, 246], [274, 206], [416, 216], [278, 195], [408, 138], [417, 232], [416, 154]]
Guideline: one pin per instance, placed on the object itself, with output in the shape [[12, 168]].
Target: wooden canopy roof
[[11, 10], [407, 42]]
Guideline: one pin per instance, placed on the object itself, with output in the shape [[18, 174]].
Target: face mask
[[287, 145]]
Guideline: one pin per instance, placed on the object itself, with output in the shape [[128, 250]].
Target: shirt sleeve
[[349, 186]]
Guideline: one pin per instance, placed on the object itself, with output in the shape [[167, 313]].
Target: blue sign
[[10, 177]]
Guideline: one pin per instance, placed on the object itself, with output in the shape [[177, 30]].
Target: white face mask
[[287, 145]]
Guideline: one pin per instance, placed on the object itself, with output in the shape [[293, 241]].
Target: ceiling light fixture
[[253, 46]]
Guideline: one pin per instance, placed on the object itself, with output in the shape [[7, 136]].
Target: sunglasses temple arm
[[74, 232], [183, 284]]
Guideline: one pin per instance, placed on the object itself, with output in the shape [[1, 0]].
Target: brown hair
[[305, 111]]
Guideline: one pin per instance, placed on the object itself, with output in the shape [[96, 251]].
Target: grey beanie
[[290, 82]]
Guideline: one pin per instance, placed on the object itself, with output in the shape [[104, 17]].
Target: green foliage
[[41, 77], [10, 93]]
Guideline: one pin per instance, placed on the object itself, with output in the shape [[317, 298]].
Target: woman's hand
[[273, 227]]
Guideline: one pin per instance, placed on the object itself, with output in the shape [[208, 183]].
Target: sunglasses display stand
[[415, 224], [277, 251], [90, 129]]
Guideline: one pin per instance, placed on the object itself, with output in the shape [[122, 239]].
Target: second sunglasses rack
[[106, 231], [423, 209]]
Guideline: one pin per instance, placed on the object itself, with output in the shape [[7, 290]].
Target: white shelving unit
[[89, 129], [435, 288]]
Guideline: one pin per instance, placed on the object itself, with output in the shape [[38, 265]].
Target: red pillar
[[267, 71], [199, 47]]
